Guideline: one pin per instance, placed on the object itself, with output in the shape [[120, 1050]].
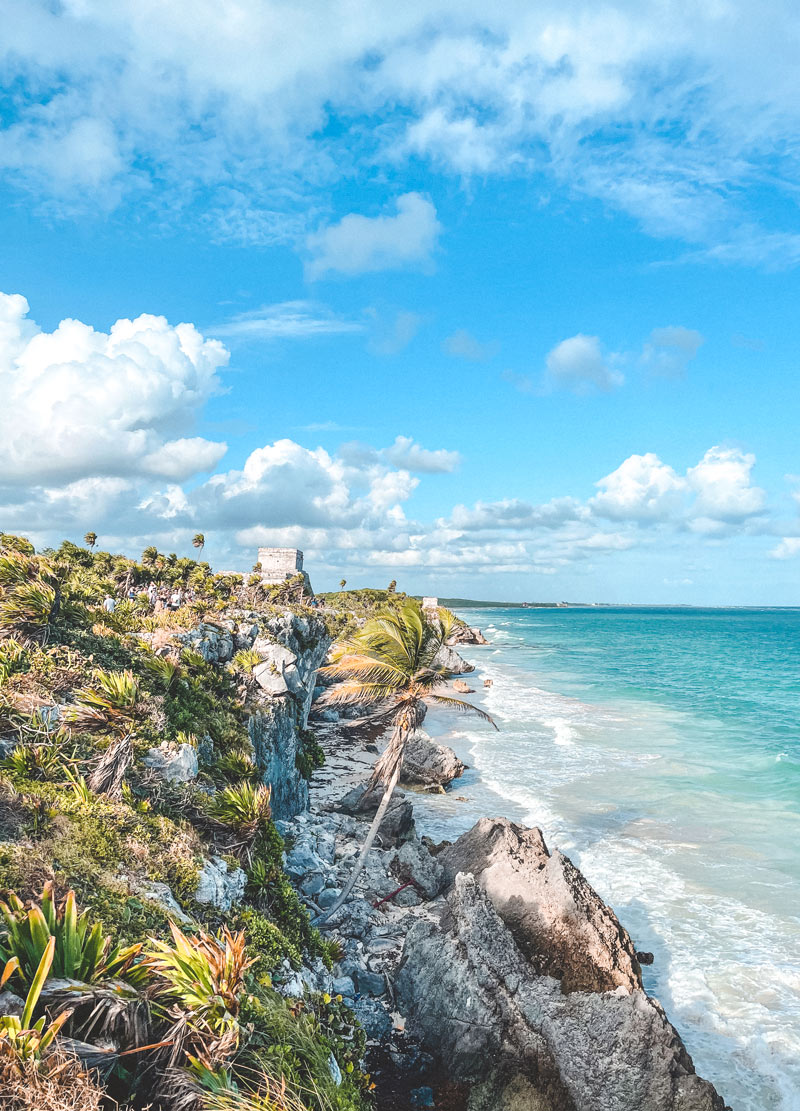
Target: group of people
[[159, 598]]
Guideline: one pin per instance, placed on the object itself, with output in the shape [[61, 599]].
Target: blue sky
[[499, 305]]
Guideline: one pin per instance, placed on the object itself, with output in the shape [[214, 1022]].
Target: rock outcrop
[[557, 919], [449, 658], [518, 1040], [173, 763], [428, 763], [398, 821], [465, 634]]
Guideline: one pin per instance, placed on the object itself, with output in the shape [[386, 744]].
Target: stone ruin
[[279, 564]]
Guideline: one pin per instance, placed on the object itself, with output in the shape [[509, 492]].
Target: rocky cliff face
[[292, 647], [527, 988]]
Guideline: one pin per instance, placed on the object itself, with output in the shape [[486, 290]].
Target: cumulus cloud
[[79, 402], [358, 244], [642, 488], [578, 364], [411, 456], [788, 548], [721, 481], [668, 351]]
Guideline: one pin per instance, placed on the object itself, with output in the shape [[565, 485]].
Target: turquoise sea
[[660, 749]]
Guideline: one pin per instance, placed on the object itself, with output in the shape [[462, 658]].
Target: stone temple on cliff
[[279, 564]]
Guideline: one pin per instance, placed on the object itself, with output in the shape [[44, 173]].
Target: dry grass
[[57, 1083]]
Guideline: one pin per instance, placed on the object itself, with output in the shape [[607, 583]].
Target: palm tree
[[90, 539], [342, 584], [392, 587], [198, 541], [391, 663]]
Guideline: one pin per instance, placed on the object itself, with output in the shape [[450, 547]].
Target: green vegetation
[[89, 833]]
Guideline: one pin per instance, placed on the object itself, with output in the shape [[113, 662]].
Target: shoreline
[[350, 755]]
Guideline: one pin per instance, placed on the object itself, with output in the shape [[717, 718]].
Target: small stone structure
[[430, 603], [279, 564]]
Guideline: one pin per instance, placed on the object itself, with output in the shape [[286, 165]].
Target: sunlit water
[[660, 749]]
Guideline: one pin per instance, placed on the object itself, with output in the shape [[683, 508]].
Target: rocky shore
[[487, 973]]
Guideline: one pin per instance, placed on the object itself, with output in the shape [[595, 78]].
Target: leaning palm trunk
[[391, 662], [109, 771]]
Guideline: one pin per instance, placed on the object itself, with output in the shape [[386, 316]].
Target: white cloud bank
[[675, 114], [97, 433]]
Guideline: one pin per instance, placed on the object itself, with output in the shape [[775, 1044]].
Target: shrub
[[244, 806], [78, 952], [247, 659]]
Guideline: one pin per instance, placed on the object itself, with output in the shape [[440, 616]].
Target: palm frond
[[462, 707]]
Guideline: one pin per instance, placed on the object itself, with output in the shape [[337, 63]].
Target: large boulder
[[214, 642], [464, 634], [277, 674], [518, 1041], [448, 657], [557, 919], [427, 763], [398, 821], [219, 886]]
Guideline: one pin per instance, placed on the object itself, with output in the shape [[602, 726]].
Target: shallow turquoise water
[[660, 748]]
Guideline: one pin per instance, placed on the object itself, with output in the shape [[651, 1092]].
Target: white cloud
[[79, 402], [463, 345], [721, 481], [668, 351], [264, 106], [358, 244], [788, 548], [405, 453], [579, 364], [640, 489], [396, 337], [287, 320]]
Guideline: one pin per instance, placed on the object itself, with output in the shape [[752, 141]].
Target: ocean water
[[660, 749]]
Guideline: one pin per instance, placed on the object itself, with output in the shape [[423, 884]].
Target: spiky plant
[[167, 672], [28, 1039], [13, 657], [247, 659], [38, 762], [243, 806], [109, 705], [80, 951], [390, 665], [203, 976], [236, 765]]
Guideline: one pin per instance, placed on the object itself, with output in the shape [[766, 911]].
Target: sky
[[496, 303]]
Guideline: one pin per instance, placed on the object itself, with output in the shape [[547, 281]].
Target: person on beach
[[109, 605]]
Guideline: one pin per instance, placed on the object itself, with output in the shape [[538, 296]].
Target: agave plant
[[203, 976], [243, 806], [33, 597], [236, 765], [38, 762], [246, 660], [13, 657], [109, 704], [26, 1038], [167, 672], [78, 951]]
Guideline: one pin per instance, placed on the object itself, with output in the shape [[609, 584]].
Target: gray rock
[[398, 822], [370, 983], [518, 1041], [426, 762], [422, 1097], [219, 887], [302, 860], [214, 643], [312, 885], [334, 1070], [11, 1004], [328, 897], [161, 895], [342, 985], [174, 763], [449, 658], [278, 673], [373, 1016], [412, 861], [556, 917]]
